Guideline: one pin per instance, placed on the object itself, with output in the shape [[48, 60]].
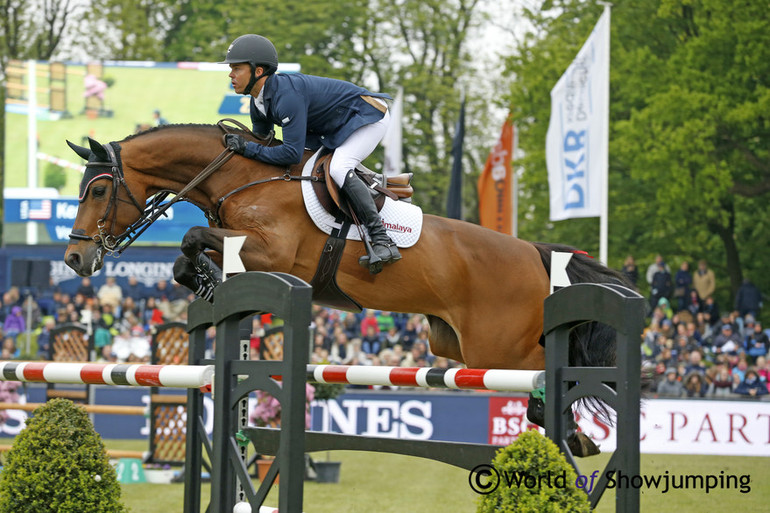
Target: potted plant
[[327, 471]]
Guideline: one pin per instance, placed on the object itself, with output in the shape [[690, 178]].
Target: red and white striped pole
[[173, 376], [503, 380]]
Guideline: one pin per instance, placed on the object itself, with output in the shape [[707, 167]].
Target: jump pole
[[500, 380], [173, 376]]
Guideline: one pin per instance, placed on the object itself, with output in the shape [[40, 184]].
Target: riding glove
[[235, 143]]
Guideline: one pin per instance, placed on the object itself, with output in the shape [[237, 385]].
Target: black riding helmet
[[258, 51]]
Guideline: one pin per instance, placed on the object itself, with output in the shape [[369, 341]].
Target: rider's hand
[[235, 143]]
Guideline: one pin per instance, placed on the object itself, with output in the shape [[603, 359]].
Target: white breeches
[[356, 148]]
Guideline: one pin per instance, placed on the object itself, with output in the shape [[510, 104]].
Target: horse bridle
[[154, 208], [106, 239]]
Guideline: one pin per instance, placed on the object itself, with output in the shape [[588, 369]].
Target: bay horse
[[481, 291]]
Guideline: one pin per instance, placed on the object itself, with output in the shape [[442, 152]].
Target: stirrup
[[375, 262]]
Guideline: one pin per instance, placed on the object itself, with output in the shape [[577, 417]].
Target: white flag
[[577, 143], [392, 140]]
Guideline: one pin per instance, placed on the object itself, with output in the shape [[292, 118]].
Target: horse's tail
[[591, 344]]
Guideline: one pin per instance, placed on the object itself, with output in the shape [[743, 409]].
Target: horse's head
[[107, 209]]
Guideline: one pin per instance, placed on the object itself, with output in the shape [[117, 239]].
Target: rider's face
[[240, 74]]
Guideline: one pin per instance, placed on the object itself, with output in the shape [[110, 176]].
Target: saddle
[[325, 288], [396, 187]]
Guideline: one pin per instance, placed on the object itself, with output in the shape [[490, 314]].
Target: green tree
[[689, 174], [24, 36]]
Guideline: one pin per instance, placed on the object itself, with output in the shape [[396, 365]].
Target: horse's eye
[[99, 191]]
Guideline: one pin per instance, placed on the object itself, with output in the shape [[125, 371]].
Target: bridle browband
[[154, 207]]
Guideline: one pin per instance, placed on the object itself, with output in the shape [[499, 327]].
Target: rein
[[154, 207]]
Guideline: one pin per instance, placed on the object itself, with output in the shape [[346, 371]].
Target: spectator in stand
[[695, 364], [409, 335], [385, 321], [135, 290], [14, 324], [670, 386], [710, 311], [695, 385], [682, 285], [85, 288], [110, 293], [630, 271], [392, 337], [370, 319], [653, 268], [722, 384], [739, 366], [757, 341], [44, 339], [338, 354], [693, 303], [760, 364], [704, 281], [371, 343], [9, 349], [751, 385], [727, 341], [748, 300], [660, 285]]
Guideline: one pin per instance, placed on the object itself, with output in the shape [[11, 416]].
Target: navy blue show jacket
[[312, 111]]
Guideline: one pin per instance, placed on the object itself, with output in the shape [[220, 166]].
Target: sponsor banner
[[148, 265], [730, 428], [577, 142], [58, 215]]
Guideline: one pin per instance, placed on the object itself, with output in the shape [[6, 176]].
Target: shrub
[[532, 459], [58, 464]]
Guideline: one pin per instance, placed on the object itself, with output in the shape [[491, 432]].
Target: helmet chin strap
[[253, 80]]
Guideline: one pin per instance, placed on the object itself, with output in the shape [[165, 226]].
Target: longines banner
[[729, 428]]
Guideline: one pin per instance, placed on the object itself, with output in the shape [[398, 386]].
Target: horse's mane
[[166, 127], [193, 126]]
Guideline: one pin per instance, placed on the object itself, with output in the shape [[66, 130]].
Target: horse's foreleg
[[197, 269]]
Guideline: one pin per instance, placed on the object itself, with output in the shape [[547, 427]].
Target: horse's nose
[[75, 261]]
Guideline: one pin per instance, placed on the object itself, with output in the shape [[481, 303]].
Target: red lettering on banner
[[759, 416], [710, 429], [673, 414], [740, 429], [507, 419]]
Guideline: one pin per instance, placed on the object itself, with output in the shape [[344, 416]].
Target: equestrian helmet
[[254, 49]]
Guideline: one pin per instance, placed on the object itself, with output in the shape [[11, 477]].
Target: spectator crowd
[[695, 348]]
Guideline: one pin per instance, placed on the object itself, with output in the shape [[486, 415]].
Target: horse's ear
[[83, 153], [98, 149]]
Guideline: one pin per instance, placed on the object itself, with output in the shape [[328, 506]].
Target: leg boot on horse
[[383, 250], [579, 443]]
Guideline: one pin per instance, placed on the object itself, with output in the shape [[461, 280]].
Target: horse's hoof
[[581, 446]]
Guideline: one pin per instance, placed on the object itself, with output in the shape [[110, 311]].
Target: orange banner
[[496, 183]]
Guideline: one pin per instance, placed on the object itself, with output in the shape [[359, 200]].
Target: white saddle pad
[[402, 220]]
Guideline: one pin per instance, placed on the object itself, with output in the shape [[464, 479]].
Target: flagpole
[[603, 218]]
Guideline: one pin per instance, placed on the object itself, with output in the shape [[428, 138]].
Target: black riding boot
[[383, 249]]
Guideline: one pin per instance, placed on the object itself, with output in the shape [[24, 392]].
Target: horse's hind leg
[[443, 339]]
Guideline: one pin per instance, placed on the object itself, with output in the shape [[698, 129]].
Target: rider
[[313, 111]]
